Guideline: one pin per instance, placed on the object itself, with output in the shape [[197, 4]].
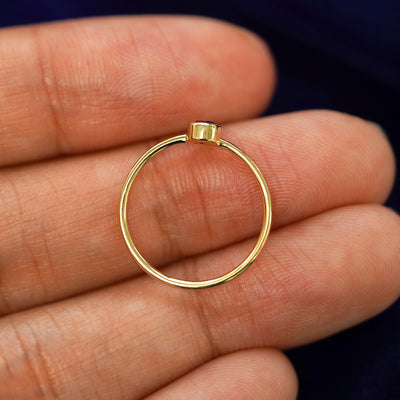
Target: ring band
[[198, 132]]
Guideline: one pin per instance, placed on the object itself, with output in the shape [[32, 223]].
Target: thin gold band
[[200, 132]]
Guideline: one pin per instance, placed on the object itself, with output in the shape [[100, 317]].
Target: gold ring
[[198, 132]]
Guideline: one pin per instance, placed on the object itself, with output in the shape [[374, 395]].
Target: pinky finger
[[248, 374]]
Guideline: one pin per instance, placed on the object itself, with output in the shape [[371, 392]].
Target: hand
[[80, 101]]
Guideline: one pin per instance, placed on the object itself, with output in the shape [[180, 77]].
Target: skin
[[80, 101]]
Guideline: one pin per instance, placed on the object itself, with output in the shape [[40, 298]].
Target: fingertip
[[284, 377], [242, 58], [352, 138], [259, 373], [263, 71], [371, 139]]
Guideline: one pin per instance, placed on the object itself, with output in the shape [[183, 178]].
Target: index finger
[[83, 85]]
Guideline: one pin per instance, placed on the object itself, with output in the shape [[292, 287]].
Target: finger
[[90, 84], [317, 277], [255, 374], [314, 278], [60, 219]]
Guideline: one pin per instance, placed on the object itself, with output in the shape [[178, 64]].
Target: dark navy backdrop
[[337, 54]]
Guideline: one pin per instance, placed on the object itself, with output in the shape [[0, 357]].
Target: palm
[[80, 102]]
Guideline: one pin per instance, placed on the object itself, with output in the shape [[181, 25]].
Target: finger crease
[[49, 84], [43, 388], [195, 306]]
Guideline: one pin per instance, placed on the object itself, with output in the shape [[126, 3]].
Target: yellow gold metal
[[204, 132], [200, 132]]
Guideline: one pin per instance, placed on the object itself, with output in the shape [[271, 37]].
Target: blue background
[[342, 55]]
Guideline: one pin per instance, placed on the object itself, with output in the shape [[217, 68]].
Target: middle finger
[[59, 225]]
